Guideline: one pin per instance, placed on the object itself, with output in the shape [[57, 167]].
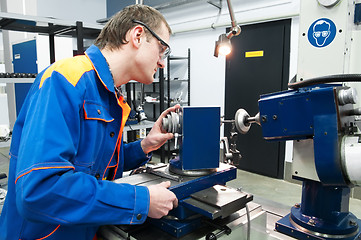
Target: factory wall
[[79, 10], [87, 11], [193, 29], [195, 26]]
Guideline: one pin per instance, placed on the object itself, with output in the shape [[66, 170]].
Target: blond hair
[[113, 35]]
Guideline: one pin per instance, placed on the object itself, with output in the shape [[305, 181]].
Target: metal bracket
[[219, 6]]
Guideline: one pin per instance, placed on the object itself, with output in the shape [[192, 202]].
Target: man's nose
[[161, 63]]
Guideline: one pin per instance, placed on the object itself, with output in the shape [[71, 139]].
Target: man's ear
[[136, 36]]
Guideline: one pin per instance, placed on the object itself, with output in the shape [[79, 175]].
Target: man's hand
[[161, 200], [157, 135]]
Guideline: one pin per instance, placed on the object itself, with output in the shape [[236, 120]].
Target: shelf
[[35, 24], [17, 80], [141, 125], [178, 58], [174, 103], [179, 80], [172, 80], [47, 26]]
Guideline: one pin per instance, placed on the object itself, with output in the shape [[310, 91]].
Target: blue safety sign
[[321, 32]]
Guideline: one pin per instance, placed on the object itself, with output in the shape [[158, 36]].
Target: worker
[[67, 141]]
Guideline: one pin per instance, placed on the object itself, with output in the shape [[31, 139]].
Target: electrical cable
[[219, 13], [326, 79]]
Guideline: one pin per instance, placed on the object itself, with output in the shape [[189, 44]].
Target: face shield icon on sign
[[321, 31]]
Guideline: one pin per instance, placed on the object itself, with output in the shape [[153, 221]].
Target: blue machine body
[[199, 144], [289, 115], [199, 150], [314, 113], [308, 113]]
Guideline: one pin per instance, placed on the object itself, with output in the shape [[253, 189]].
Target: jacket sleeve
[[48, 189], [134, 155]]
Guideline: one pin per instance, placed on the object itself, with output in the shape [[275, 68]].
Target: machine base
[[177, 228], [217, 202], [237, 222], [285, 226]]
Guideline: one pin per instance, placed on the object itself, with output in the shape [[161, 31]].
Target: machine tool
[[197, 177], [322, 121], [320, 114]]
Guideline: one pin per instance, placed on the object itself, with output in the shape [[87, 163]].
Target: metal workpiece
[[163, 174], [190, 173], [160, 173], [217, 201]]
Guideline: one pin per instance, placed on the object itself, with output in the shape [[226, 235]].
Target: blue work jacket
[[66, 146]]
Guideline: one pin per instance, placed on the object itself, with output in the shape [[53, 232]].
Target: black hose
[[326, 79]]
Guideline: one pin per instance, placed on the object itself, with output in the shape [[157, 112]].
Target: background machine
[[322, 119]]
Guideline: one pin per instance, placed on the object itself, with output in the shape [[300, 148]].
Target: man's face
[[150, 57]]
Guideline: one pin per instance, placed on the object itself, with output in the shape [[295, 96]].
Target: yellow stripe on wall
[[254, 54]]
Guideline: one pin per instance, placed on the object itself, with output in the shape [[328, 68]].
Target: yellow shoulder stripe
[[71, 68]]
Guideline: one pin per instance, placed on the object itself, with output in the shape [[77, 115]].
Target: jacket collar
[[101, 67]]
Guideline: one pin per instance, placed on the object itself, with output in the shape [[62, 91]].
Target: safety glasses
[[165, 48]]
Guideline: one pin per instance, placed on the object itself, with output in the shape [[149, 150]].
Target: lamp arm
[[235, 30]]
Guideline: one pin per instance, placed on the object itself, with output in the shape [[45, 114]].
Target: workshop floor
[[274, 195], [276, 191]]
